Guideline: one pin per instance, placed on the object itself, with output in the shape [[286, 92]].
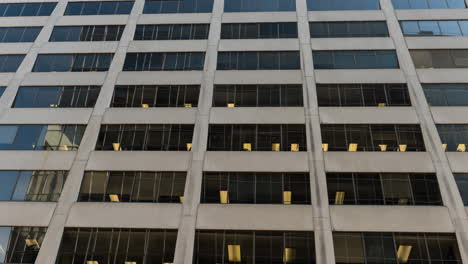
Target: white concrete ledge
[[258, 44], [346, 15], [139, 160], [79, 47], [431, 14], [36, 160], [360, 76], [257, 115], [163, 115], [352, 44], [46, 116], [255, 217], [437, 42], [381, 218], [15, 48], [26, 213], [458, 161], [167, 45], [125, 215], [92, 20], [35, 21], [259, 17], [259, 77], [5, 78], [64, 78], [410, 162], [442, 75], [450, 114], [187, 18], [371, 115], [258, 161], [159, 77]]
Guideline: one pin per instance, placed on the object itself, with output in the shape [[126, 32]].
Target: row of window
[[146, 96], [231, 137], [123, 245], [206, 6], [235, 60], [228, 187]]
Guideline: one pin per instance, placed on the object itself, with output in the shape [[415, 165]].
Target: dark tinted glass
[[428, 4], [289, 137], [156, 96], [172, 32], [257, 95], [440, 58], [383, 189], [73, 62], [20, 244], [453, 137], [323, 5], [363, 95], [19, 34], [255, 188], [117, 245], [435, 28], [132, 186], [164, 61], [44, 186], [258, 60], [373, 137], [177, 6], [462, 183], [212, 246], [87, 33], [259, 5], [355, 59], [56, 96], [446, 94], [348, 29], [2, 90], [99, 8], [27, 9], [10, 63], [258, 30], [41, 137], [155, 137]]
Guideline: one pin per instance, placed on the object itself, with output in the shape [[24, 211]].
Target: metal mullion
[[356, 193], [118, 234], [156, 91], [411, 187], [383, 188], [157, 178], [371, 136]]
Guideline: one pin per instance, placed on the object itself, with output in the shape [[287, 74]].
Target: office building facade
[[233, 131]]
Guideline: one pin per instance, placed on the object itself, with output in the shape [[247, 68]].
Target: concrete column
[[53, 237], [187, 226], [321, 213], [448, 187]]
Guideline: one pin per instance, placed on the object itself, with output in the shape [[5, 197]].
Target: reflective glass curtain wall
[[20, 245], [177, 6]]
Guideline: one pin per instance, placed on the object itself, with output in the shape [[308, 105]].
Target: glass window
[[257, 95], [363, 95], [212, 246], [462, 183], [372, 137], [172, 32], [155, 96], [177, 6], [19, 34], [323, 5], [20, 244], [446, 94], [428, 4], [133, 186], [26, 9], [255, 188], [356, 59], [73, 62], [86, 33], [99, 8], [453, 137], [348, 29], [434, 28], [164, 61], [164, 137], [228, 137], [258, 60], [56, 96], [117, 245], [10, 63], [259, 6], [258, 30]]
